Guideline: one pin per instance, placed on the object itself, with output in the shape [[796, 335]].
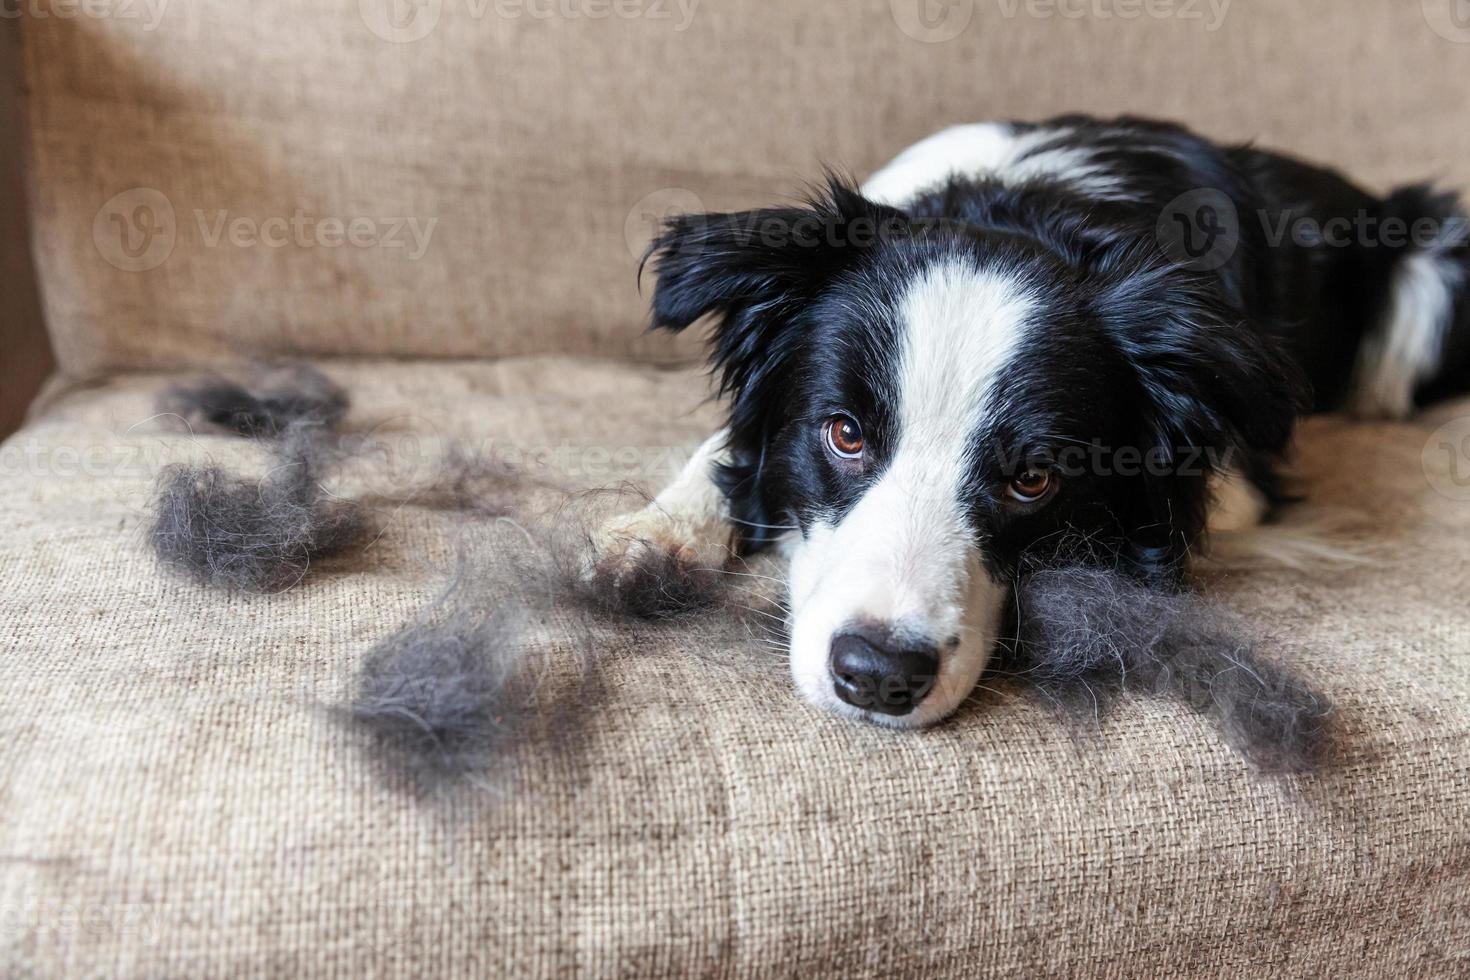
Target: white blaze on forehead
[[960, 327], [904, 555], [995, 150]]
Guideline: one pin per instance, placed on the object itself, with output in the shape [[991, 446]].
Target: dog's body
[[1016, 334]]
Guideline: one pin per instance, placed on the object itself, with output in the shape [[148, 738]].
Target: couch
[[441, 204]]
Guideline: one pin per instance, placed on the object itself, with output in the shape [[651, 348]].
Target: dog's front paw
[[653, 566]]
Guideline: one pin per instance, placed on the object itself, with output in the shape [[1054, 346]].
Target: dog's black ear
[[755, 272], [1215, 393]]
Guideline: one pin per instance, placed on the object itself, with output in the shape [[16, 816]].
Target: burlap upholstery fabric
[[174, 802], [544, 146]]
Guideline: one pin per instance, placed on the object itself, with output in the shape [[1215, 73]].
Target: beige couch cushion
[[541, 145], [175, 802]]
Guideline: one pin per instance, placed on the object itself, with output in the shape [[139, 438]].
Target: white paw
[[628, 543], [651, 567], [1235, 503]]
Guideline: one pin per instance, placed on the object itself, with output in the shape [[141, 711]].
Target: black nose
[[872, 669]]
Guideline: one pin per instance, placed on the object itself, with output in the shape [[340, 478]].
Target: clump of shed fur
[[1083, 630], [276, 399], [252, 534], [441, 699], [651, 583]]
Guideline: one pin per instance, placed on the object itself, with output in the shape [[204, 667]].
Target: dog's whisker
[[753, 575], [766, 527]]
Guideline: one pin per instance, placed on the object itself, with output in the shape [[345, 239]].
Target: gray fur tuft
[[1082, 630], [655, 585], [440, 698], [252, 535], [282, 397]]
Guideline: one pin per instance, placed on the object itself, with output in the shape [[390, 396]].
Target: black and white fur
[[997, 294]]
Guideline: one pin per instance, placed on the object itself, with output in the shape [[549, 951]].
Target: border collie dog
[[1015, 334]]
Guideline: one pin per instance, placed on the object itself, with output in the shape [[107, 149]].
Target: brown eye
[[844, 437], [1031, 485]]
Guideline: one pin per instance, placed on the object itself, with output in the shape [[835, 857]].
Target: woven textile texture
[[300, 177], [178, 802]]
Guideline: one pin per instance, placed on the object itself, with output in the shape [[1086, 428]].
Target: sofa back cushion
[[477, 178]]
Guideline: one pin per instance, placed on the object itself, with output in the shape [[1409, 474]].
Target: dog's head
[[915, 407]]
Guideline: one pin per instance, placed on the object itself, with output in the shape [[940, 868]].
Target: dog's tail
[[1418, 350], [1307, 539], [1249, 528]]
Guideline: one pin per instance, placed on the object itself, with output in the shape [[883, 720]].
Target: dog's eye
[[844, 436], [1031, 485]]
